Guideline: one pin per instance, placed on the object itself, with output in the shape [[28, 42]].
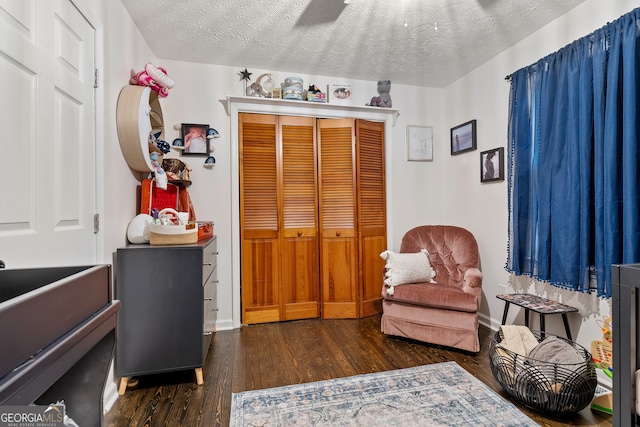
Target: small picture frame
[[195, 139], [463, 137], [492, 165], [419, 143], [340, 93], [276, 93]]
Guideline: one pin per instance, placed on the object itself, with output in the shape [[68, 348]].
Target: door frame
[[235, 105]]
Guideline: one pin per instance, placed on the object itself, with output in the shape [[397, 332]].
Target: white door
[[47, 135]]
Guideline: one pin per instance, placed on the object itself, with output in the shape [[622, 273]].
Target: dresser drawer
[[209, 255]]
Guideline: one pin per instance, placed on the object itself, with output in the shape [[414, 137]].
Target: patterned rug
[[441, 394]]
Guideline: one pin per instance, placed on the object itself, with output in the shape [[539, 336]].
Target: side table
[[538, 304]]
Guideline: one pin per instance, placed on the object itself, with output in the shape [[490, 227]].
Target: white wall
[[484, 95]]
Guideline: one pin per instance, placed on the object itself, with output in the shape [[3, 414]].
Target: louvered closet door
[[337, 191], [300, 255], [372, 236], [259, 218]]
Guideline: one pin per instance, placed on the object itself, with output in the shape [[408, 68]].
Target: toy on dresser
[[160, 176]]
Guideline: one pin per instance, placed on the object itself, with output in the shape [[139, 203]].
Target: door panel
[[300, 264], [259, 219], [338, 218], [47, 63], [372, 218]]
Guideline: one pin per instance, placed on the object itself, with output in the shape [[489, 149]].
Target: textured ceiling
[[367, 39]]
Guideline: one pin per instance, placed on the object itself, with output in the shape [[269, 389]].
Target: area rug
[[441, 394]]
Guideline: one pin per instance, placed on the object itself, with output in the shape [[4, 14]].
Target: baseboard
[[490, 323], [224, 325]]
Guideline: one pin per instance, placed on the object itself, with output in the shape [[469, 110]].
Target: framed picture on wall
[[492, 165], [195, 139], [419, 143], [463, 137]]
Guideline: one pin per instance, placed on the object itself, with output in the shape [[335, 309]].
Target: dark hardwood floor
[[277, 354]]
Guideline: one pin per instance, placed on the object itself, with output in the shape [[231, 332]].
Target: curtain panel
[[574, 190]]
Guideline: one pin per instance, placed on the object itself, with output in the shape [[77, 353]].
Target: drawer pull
[[208, 299], [206, 334], [207, 263]]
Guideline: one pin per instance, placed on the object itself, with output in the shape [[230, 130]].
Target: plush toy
[[160, 176], [154, 77], [384, 100], [154, 138]]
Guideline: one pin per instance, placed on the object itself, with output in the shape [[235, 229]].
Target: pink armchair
[[445, 312]]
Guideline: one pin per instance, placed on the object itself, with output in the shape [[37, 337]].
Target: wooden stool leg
[[123, 385], [199, 379]]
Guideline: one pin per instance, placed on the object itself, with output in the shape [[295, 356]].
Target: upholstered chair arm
[[472, 279], [472, 283]]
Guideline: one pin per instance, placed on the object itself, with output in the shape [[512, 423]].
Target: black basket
[[555, 388]]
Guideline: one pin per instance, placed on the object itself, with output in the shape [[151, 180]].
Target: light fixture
[[406, 23]]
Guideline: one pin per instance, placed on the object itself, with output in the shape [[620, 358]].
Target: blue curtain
[[574, 185]]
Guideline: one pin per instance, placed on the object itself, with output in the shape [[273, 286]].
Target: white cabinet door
[[47, 134]]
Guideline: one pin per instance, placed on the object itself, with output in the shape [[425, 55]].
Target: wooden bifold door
[[312, 217]]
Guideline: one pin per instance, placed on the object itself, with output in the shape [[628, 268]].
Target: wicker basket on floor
[[547, 387]]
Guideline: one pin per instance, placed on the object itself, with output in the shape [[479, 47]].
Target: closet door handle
[[299, 233], [338, 233]]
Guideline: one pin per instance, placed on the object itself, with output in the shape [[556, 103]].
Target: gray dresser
[[168, 308]]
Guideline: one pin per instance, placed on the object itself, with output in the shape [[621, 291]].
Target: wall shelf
[[306, 108], [138, 114]]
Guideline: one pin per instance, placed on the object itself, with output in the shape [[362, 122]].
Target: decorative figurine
[[384, 100], [245, 76], [254, 90]]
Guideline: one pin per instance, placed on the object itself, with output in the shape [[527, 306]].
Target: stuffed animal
[[384, 100], [160, 176], [154, 138], [154, 77]]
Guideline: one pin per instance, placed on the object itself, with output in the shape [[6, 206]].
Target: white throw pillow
[[405, 268]]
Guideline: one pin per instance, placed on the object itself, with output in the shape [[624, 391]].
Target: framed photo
[[339, 94], [195, 140], [463, 137], [492, 165], [419, 143]]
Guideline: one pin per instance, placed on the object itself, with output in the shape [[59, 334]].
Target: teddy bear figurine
[[384, 100]]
